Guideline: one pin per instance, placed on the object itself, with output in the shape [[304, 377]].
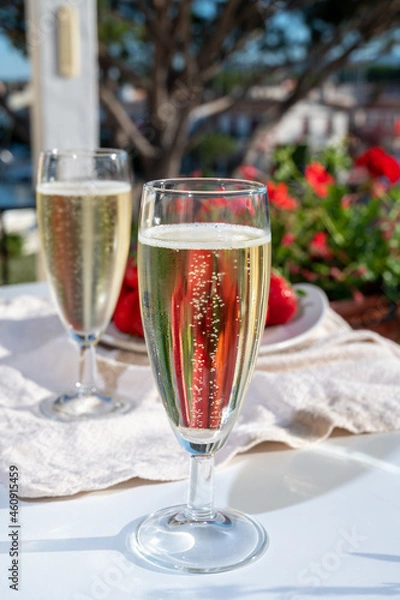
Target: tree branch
[[117, 111], [106, 61], [212, 108], [308, 81], [209, 66], [225, 103], [20, 125], [156, 28], [367, 25], [375, 23], [214, 43]]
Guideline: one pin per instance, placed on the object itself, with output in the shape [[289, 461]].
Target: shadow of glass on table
[[298, 476]]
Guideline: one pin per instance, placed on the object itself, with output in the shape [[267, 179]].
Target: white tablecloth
[[337, 378]]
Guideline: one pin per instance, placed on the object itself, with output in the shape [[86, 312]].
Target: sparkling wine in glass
[[84, 211], [204, 267]]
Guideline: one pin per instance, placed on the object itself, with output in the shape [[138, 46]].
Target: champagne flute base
[[75, 406], [174, 539]]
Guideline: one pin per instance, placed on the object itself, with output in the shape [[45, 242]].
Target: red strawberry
[[131, 274], [282, 302], [127, 316]]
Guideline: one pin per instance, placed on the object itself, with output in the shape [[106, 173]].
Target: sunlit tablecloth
[[337, 378]]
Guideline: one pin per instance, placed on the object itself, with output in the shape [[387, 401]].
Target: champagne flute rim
[[78, 152], [246, 186]]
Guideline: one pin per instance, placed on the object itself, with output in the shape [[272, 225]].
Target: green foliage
[[14, 244], [358, 228], [21, 269], [231, 79], [213, 146]]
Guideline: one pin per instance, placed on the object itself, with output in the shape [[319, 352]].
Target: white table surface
[[332, 512]]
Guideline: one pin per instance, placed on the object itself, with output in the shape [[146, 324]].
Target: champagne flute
[[84, 211], [204, 267]]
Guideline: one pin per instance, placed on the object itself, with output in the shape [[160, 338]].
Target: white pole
[[62, 42]]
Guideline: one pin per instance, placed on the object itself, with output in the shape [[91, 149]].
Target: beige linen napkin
[[338, 378]]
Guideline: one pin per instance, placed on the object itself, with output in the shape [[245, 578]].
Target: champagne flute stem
[[200, 504], [87, 368]]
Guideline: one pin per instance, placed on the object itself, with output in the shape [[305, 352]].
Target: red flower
[[378, 189], [361, 271], [287, 239], [242, 205], [318, 178], [248, 172], [294, 268], [379, 164], [319, 245], [358, 296], [309, 275], [347, 200], [237, 206], [278, 195], [336, 273]]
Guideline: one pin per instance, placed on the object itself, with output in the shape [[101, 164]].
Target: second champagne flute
[[84, 210]]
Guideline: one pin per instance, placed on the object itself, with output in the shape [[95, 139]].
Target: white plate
[[123, 341], [312, 306]]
